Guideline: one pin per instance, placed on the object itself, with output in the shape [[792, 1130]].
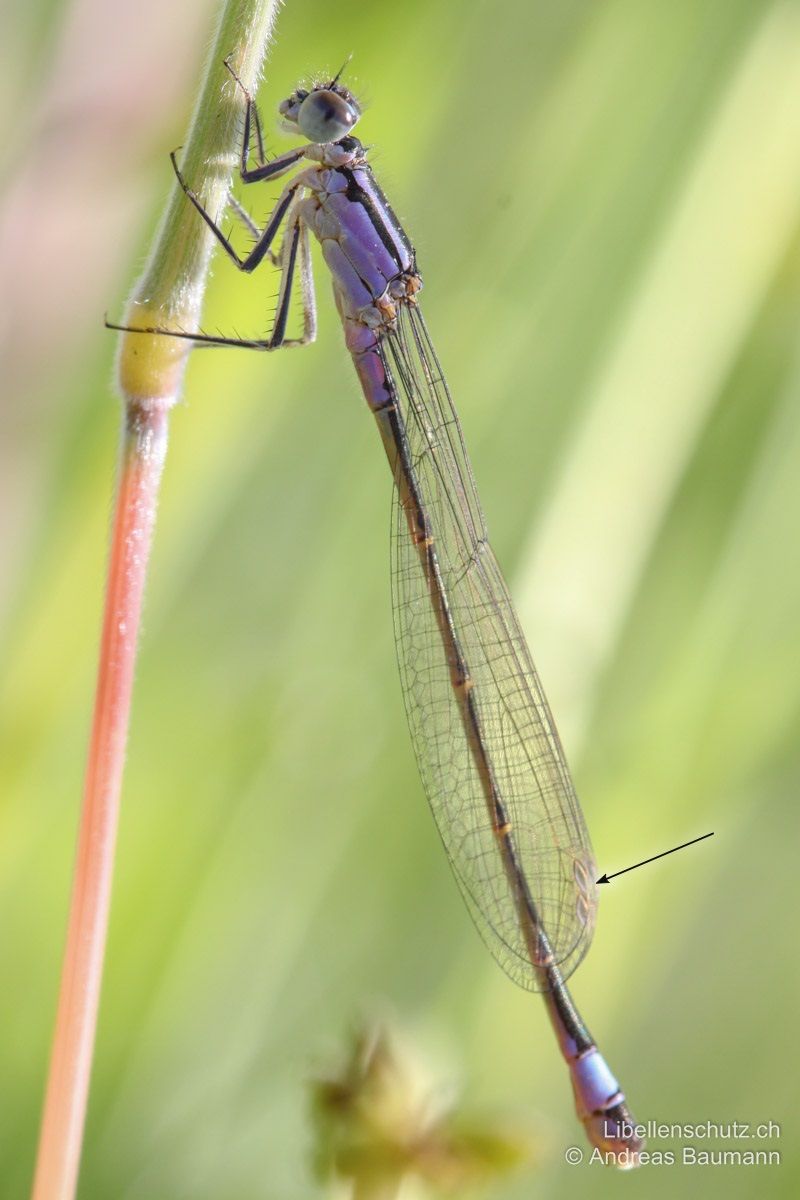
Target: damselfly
[[485, 741]]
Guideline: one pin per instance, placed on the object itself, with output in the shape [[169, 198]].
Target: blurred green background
[[605, 199]]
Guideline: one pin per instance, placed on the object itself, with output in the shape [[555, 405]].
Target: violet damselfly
[[486, 744]]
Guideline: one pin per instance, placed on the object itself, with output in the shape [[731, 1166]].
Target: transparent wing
[[517, 732]]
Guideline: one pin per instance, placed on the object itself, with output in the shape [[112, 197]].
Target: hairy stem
[[151, 370]]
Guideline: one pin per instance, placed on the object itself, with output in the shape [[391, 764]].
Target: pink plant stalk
[[142, 460]]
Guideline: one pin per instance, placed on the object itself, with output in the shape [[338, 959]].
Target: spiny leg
[[251, 108], [266, 238], [289, 259], [200, 340], [264, 170], [296, 236], [273, 170], [296, 245], [262, 157], [244, 216]]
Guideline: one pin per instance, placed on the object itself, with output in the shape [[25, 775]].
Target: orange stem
[[142, 459]]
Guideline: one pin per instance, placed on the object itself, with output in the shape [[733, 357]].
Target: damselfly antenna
[[338, 74]]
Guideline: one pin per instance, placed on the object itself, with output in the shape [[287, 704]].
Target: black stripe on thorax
[[357, 195]]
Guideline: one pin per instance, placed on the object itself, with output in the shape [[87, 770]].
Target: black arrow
[[608, 878]]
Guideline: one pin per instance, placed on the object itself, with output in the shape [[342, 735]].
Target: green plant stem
[[151, 371]]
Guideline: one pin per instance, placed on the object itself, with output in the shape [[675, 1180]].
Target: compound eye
[[325, 116]]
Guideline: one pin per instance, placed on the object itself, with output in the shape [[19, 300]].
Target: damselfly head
[[324, 113]]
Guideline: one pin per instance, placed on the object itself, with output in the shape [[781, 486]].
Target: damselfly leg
[[295, 250]]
